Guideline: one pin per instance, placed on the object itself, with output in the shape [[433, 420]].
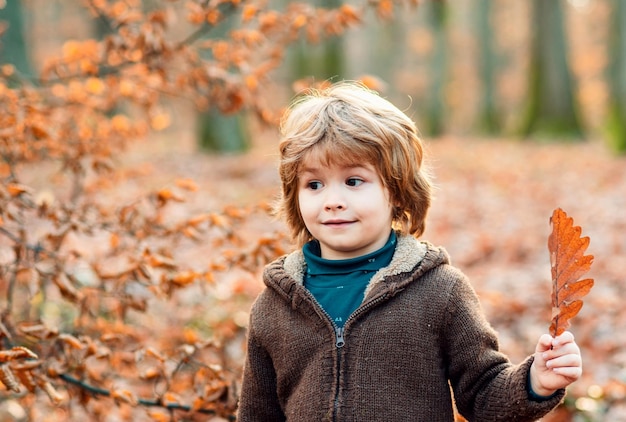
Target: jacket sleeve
[[486, 385], [258, 400]]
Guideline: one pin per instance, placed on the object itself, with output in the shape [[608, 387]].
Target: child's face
[[346, 208]]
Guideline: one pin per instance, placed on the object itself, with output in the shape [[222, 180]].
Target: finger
[[571, 372], [562, 354], [544, 343], [566, 361], [561, 349], [563, 338]]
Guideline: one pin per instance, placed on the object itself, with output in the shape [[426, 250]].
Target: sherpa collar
[[409, 252]]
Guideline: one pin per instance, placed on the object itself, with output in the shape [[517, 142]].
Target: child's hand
[[557, 364]]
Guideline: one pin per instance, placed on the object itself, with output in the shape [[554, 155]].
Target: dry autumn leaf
[[184, 278], [54, 396], [187, 184], [165, 195], [16, 189], [8, 378], [26, 378], [16, 353], [124, 396], [569, 263]]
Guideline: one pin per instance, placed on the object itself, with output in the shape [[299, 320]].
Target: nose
[[334, 199]]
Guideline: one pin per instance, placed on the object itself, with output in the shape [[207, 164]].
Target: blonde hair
[[349, 124]]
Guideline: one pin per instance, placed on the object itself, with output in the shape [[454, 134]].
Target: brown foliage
[[569, 262], [88, 283]]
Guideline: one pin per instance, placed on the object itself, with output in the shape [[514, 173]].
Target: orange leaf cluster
[[10, 377], [568, 263], [100, 270]]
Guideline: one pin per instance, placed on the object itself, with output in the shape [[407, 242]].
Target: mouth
[[337, 223]]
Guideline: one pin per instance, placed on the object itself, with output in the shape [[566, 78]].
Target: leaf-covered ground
[[491, 211]]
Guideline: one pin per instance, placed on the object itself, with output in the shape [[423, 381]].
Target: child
[[364, 322]]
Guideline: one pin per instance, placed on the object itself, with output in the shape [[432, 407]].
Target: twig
[[144, 402]]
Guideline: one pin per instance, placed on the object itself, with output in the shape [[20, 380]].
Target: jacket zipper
[[340, 340], [339, 343]]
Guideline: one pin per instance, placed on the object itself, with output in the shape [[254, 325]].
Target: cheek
[[387, 207], [305, 205], [383, 198]]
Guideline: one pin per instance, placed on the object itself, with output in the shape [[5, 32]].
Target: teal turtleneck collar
[[339, 285]]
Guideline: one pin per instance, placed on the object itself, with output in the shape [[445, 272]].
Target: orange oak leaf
[[569, 263]]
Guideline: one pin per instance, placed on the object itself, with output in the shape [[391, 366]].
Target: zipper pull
[[340, 340]]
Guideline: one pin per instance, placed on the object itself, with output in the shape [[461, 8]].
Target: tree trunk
[[220, 133], [12, 44], [217, 132], [616, 76], [489, 120], [323, 61], [437, 10], [551, 110]]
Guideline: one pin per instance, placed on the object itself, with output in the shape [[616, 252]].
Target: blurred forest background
[[138, 143]]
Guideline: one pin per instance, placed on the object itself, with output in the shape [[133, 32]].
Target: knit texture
[[419, 333]]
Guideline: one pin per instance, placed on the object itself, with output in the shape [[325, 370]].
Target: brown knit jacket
[[419, 331]]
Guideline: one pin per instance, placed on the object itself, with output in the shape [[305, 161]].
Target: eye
[[314, 185], [354, 181]]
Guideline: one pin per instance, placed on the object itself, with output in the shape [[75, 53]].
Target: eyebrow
[[310, 169]]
